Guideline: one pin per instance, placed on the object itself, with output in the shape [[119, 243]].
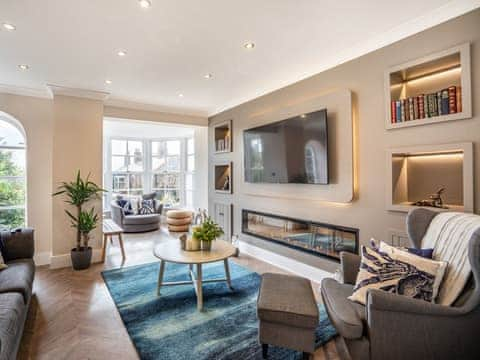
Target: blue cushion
[[425, 253], [126, 206]]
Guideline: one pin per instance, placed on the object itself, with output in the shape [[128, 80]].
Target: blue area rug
[[170, 327]]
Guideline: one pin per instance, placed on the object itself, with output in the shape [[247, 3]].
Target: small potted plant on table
[[207, 232], [78, 193]]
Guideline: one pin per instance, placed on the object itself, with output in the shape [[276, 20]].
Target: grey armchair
[[137, 223], [396, 327]]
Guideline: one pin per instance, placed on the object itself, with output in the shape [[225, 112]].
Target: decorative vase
[[206, 245]]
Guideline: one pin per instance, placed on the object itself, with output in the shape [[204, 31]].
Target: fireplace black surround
[[315, 238]]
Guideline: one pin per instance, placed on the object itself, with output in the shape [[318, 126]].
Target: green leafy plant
[[78, 193], [208, 230]]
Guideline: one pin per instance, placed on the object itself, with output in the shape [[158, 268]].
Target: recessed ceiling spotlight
[[180, 95], [108, 82], [23, 67], [121, 53], [9, 27], [145, 3], [249, 45], [208, 76]]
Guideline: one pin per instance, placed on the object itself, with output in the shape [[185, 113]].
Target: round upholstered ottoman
[[179, 220]]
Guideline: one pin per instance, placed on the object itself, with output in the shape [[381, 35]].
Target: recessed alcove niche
[[416, 172], [223, 178]]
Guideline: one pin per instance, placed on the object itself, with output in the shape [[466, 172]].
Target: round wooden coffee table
[[171, 251]]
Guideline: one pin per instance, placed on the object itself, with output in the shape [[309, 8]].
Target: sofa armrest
[[17, 244], [117, 214], [158, 207], [349, 265]]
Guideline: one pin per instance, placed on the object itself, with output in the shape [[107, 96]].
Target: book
[[444, 102], [432, 105], [439, 103], [402, 110], [410, 109], [398, 111], [459, 98], [421, 106], [393, 111], [425, 106], [452, 99], [407, 110], [416, 112]]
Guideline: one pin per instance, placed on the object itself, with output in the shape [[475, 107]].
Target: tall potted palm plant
[[77, 193]]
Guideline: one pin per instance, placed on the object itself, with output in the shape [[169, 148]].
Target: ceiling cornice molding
[[437, 16], [58, 90], [128, 104], [25, 91]]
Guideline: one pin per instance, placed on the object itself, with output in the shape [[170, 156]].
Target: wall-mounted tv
[[294, 150]]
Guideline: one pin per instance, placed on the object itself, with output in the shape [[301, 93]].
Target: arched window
[[12, 173]]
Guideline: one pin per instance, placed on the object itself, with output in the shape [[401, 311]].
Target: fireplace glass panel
[[319, 239]]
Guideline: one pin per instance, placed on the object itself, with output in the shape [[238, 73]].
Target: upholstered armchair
[[396, 327]]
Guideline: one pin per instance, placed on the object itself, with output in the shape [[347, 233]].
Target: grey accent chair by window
[[395, 327], [137, 223]]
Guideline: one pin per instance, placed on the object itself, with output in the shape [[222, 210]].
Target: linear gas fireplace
[[315, 238]]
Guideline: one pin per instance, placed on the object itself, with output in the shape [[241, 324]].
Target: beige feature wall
[[364, 76]]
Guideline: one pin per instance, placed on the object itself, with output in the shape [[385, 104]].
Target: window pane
[[11, 218], [12, 191], [135, 147], [173, 163], [120, 182], [170, 197], [191, 163], [12, 162], [173, 147], [136, 181], [119, 163], [135, 164], [158, 148], [190, 146], [189, 181], [189, 199], [119, 147], [159, 164], [162, 181], [10, 135]]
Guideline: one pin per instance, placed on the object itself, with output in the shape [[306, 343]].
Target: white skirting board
[[42, 258], [298, 268], [64, 260]]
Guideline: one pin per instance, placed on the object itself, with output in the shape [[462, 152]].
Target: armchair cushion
[[347, 316], [18, 277]]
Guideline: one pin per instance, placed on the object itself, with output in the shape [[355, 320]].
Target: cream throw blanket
[[449, 234]]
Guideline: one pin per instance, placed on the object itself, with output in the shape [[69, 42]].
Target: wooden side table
[[110, 228]]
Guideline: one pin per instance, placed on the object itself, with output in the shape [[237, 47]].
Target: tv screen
[[294, 150]]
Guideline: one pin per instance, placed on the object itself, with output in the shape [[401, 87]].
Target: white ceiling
[[174, 43]]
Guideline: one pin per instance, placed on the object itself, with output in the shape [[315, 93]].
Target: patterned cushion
[[397, 271], [147, 207]]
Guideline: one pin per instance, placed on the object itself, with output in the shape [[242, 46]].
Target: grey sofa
[[396, 327], [137, 223], [16, 283]]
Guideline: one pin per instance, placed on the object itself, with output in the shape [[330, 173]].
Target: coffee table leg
[[227, 274], [198, 283], [160, 276]]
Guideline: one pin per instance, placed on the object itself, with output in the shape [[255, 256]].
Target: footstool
[[287, 313]]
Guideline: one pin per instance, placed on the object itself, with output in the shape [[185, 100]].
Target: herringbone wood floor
[[73, 316]]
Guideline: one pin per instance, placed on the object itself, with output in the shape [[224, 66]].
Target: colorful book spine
[[398, 111], [452, 99], [425, 105], [410, 109], [416, 113], [432, 105], [444, 102], [393, 112], [439, 103], [402, 110], [459, 99], [421, 106]]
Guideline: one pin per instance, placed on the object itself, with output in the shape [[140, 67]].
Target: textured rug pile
[[170, 327]]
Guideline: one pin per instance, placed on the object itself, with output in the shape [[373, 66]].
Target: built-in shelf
[[223, 178], [444, 75], [222, 136], [414, 173]]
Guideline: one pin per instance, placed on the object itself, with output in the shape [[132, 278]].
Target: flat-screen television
[[294, 150]]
